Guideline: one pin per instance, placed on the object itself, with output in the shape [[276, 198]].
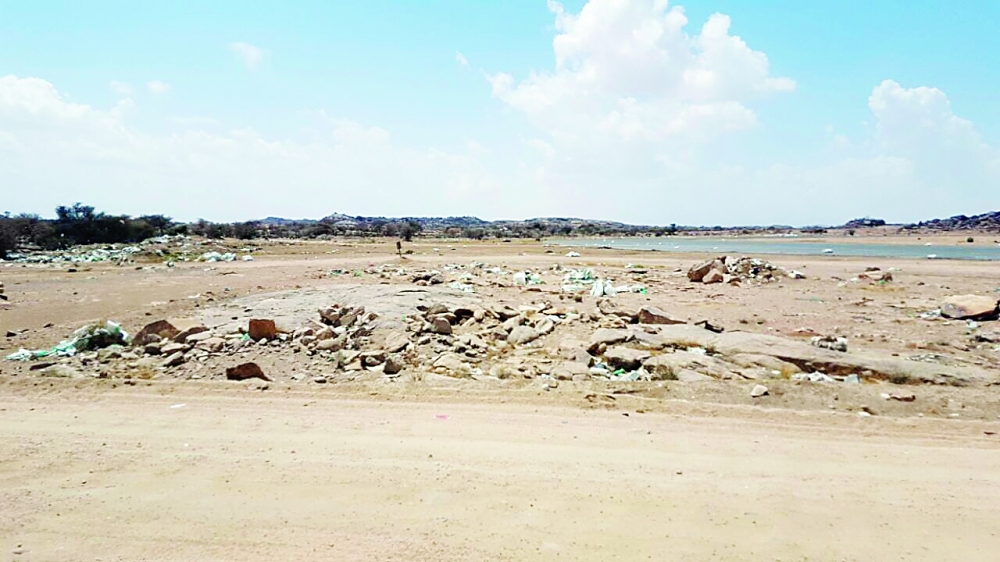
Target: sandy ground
[[134, 474], [442, 469]]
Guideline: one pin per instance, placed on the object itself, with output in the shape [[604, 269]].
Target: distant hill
[[985, 221]]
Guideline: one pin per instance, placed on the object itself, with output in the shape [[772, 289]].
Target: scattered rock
[[758, 391], [246, 371]]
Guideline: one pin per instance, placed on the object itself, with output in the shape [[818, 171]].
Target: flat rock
[[188, 332], [685, 375], [607, 336], [811, 359], [668, 366], [199, 337], [969, 307], [566, 370], [653, 315]]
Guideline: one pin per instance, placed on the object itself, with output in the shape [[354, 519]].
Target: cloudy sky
[[646, 111]]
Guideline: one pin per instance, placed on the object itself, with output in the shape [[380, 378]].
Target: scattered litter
[[464, 287], [833, 343], [572, 254], [212, 257]]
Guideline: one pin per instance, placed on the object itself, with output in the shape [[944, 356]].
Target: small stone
[[758, 391], [245, 371]]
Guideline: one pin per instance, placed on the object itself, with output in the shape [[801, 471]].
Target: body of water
[[785, 246]]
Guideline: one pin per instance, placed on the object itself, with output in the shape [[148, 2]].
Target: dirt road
[[131, 474]]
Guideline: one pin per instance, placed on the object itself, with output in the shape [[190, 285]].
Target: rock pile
[[731, 269]]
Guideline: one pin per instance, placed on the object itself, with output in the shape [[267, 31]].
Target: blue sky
[[701, 112]]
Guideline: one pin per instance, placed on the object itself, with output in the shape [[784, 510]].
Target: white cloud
[[461, 60], [251, 56], [121, 88], [627, 69], [67, 152], [157, 87]]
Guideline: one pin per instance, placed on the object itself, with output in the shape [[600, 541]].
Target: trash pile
[[171, 249], [87, 338], [733, 270], [112, 253]]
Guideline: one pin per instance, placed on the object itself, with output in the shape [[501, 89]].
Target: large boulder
[[969, 307]]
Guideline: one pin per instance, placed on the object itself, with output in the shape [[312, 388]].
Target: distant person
[[399, 248]]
